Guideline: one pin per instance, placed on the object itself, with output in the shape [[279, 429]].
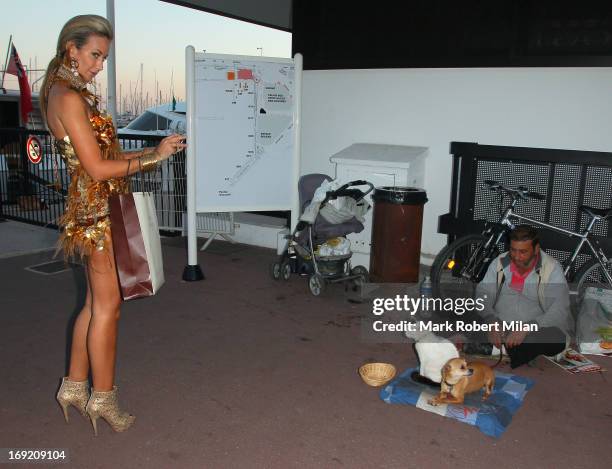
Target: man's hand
[[495, 338], [515, 338]]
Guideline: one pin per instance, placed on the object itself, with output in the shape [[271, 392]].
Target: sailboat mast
[[141, 101], [157, 103], [8, 51]]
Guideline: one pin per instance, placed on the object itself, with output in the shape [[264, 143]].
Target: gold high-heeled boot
[[74, 393], [105, 404]]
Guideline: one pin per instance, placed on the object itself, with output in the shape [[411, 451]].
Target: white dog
[[433, 351]]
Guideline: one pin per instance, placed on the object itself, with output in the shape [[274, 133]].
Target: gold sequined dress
[[86, 218]]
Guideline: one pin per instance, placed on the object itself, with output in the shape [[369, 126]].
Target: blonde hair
[[77, 30]]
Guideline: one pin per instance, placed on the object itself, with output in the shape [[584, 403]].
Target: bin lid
[[400, 195]]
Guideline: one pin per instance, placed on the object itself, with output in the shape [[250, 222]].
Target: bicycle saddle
[[597, 213]]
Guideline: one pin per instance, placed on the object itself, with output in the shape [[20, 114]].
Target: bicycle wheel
[[446, 274], [591, 275]]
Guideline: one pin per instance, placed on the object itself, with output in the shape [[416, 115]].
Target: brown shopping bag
[[136, 244]]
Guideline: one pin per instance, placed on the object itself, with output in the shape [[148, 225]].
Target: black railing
[[35, 193], [567, 179]]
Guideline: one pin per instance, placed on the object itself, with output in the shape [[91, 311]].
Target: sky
[[148, 32]]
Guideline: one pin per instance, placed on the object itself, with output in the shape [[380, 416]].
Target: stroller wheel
[[275, 270], [316, 284], [285, 270], [364, 277]]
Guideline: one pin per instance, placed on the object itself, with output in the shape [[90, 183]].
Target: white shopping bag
[[594, 325]]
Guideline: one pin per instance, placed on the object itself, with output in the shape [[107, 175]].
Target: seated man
[[526, 285]]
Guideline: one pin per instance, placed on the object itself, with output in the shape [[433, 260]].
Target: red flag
[[16, 68]]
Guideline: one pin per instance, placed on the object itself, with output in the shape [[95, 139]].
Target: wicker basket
[[377, 374]]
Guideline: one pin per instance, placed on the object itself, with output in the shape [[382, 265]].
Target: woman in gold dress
[[86, 140]]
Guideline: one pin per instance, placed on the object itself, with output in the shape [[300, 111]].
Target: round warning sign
[[34, 149]]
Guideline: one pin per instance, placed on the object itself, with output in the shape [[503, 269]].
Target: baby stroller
[[311, 248]]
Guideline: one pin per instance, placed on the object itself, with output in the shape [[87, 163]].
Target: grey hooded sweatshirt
[[544, 299]]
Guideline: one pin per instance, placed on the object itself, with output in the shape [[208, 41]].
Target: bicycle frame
[[584, 238]]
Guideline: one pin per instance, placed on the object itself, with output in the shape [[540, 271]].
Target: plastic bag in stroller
[[317, 248]]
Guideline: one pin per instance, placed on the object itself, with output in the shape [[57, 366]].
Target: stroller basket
[[332, 265]]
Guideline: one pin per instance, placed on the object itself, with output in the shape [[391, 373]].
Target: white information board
[[245, 124]]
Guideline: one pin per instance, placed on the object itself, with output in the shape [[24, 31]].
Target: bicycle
[[462, 264]]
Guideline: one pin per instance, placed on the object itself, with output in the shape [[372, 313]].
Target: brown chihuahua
[[460, 378]]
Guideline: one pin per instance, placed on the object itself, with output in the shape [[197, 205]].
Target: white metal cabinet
[[382, 165]]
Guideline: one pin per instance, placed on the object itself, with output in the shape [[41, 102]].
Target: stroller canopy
[[322, 228]]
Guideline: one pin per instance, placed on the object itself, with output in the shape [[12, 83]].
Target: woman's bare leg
[[105, 303], [79, 358]]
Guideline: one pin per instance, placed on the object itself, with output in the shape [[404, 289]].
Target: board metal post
[[192, 271]]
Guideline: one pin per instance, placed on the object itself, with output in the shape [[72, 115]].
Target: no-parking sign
[[34, 149]]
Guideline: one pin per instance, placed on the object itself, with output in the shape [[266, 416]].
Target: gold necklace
[[75, 81]]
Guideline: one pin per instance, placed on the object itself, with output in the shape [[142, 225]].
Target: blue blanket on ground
[[492, 416]]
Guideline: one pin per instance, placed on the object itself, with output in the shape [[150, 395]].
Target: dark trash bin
[[397, 223]]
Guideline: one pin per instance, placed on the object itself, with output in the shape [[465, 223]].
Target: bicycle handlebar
[[531, 194], [521, 192]]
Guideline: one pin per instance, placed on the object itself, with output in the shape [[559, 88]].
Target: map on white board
[[245, 127]]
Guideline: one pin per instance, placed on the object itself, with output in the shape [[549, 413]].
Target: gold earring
[[74, 65]]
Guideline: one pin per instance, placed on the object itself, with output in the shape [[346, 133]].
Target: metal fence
[[567, 179], [35, 193]]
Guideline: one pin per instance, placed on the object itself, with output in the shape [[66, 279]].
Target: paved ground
[[20, 238], [243, 371]]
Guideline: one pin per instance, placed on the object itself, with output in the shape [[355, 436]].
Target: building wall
[[568, 108]]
